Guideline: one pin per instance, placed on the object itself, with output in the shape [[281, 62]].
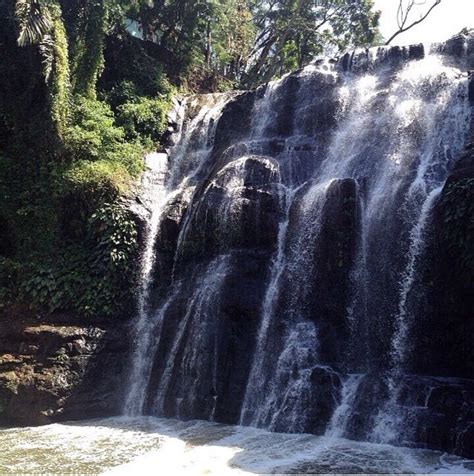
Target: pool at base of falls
[[147, 445]]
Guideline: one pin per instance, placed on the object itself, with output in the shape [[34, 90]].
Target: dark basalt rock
[[443, 415], [336, 256], [171, 223], [372, 392], [226, 341], [416, 51], [214, 232], [448, 323], [326, 385], [433, 412], [234, 122], [237, 209], [471, 86], [327, 294], [320, 399]]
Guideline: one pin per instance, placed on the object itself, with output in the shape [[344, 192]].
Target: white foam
[[148, 445]]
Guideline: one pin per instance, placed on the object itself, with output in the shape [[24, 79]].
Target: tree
[[247, 42], [207, 37], [291, 32], [230, 39], [404, 14]]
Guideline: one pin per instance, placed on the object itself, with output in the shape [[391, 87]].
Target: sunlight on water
[[367, 85], [149, 445]]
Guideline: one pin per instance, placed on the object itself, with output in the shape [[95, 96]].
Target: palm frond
[[34, 21]]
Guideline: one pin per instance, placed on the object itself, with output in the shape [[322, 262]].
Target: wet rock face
[[202, 363], [166, 243], [220, 246], [234, 123], [56, 370], [336, 256], [448, 323], [237, 208], [434, 412], [450, 420], [320, 399]]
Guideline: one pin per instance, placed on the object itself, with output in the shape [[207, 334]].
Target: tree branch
[[403, 17]]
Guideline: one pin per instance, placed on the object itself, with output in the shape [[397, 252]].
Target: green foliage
[[93, 134], [34, 21], [114, 233], [70, 159], [208, 40], [104, 179], [40, 23], [88, 47], [217, 43], [122, 92], [458, 216], [58, 79], [133, 70], [100, 158], [95, 279], [144, 118], [292, 32]]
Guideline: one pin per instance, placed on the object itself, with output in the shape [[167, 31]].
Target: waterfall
[[295, 220], [388, 422], [287, 380], [198, 321], [162, 184], [253, 393], [143, 327], [337, 426]]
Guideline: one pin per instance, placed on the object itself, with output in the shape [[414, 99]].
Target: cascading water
[[162, 184], [387, 186], [198, 320], [388, 423], [157, 164], [286, 384], [338, 423], [296, 219]]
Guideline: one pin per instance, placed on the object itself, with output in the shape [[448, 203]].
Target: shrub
[[122, 92], [103, 179], [100, 159], [94, 134], [93, 278], [144, 118]]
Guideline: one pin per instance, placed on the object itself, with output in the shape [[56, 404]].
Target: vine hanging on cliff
[[40, 23], [88, 56]]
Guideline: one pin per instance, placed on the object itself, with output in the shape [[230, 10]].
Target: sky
[[447, 19]]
